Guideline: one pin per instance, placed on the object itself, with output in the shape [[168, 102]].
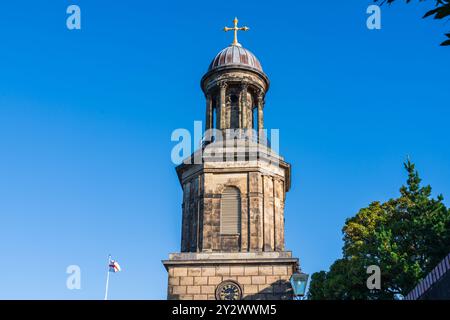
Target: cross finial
[[236, 29]]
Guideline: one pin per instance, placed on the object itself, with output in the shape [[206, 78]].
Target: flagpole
[[107, 278]]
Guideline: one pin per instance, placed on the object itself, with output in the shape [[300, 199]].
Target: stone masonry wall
[[258, 282], [262, 212]]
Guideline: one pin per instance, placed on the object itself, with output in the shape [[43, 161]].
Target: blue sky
[[86, 118]]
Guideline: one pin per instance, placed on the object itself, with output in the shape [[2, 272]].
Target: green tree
[[406, 237], [441, 10]]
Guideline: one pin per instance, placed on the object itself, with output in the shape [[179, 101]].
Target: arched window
[[230, 211]]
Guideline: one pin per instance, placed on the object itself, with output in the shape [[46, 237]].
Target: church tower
[[234, 189]]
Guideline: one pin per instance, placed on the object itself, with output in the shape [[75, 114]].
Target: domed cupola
[[235, 86], [235, 56]]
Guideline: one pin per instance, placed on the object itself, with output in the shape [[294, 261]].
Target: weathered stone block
[[179, 290], [236, 271], [193, 290], [208, 271], [223, 271], [194, 272], [272, 279], [245, 280], [251, 271], [286, 278], [180, 272], [258, 279], [265, 270], [186, 281], [208, 289], [265, 288], [214, 280], [250, 289], [200, 281], [280, 270]]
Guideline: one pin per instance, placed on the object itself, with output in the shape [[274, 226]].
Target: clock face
[[228, 290]]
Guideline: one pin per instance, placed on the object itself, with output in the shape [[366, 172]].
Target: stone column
[[217, 107], [241, 97], [209, 113], [223, 91], [260, 111], [243, 106]]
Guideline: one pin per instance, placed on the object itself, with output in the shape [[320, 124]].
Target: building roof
[[235, 55], [431, 279]]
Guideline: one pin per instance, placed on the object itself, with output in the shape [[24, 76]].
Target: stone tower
[[234, 188]]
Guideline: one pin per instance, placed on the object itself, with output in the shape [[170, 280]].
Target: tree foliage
[[441, 10], [406, 237]]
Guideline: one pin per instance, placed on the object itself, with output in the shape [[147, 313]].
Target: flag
[[114, 266]]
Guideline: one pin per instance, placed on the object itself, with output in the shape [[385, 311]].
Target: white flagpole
[[107, 278]]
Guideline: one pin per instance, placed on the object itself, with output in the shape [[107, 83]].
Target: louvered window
[[230, 211]]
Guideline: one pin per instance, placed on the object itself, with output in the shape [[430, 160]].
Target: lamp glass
[[298, 283]]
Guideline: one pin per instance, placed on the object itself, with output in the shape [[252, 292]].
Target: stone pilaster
[[279, 214], [185, 218], [269, 234], [255, 211], [244, 222], [207, 233]]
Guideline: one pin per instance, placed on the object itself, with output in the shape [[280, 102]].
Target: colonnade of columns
[[216, 101]]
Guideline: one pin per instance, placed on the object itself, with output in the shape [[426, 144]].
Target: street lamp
[[298, 282]]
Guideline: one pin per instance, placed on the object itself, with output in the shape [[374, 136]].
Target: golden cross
[[236, 29]]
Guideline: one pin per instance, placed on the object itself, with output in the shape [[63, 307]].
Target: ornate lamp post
[[298, 282]]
